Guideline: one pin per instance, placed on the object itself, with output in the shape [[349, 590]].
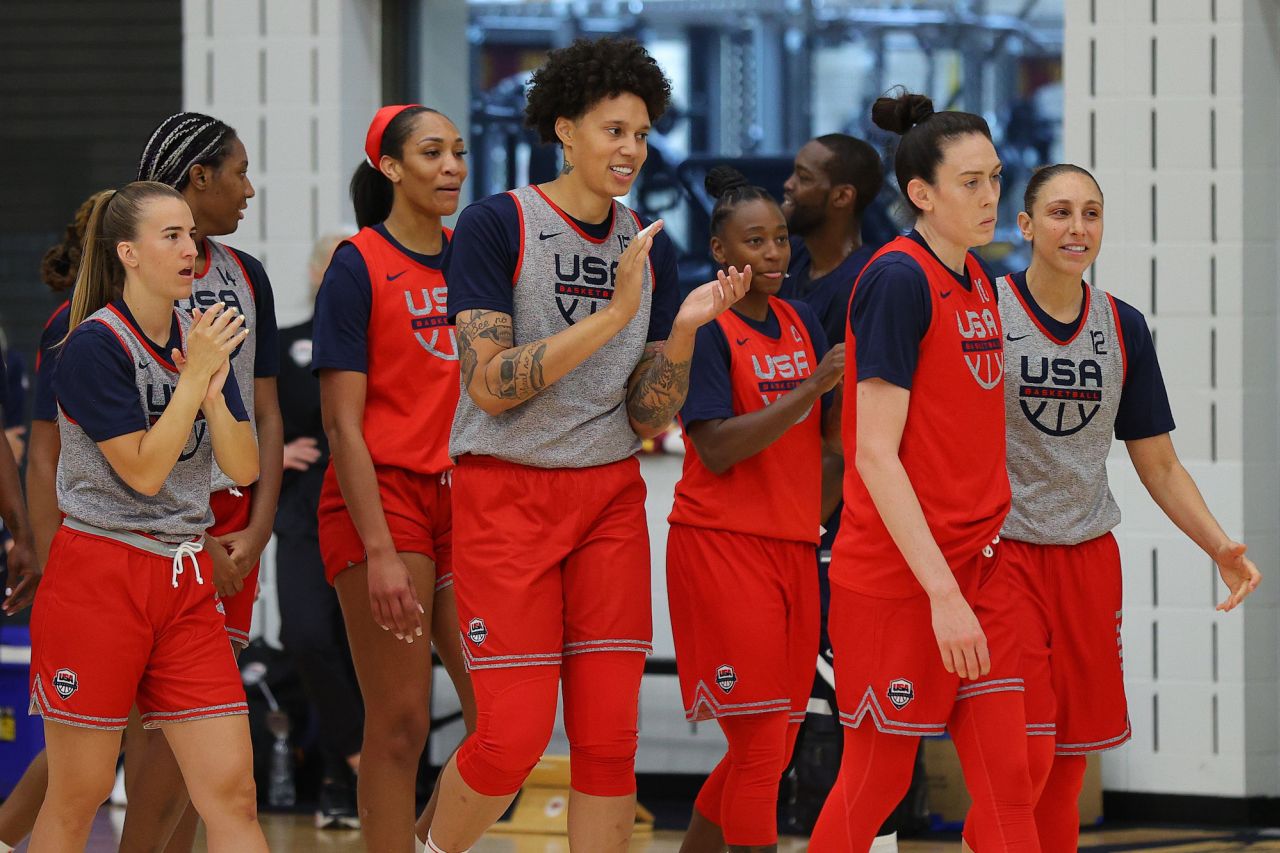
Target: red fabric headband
[[377, 127]]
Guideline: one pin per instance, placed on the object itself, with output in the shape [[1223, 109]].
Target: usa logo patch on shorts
[[477, 632], [726, 678], [900, 692], [66, 682]]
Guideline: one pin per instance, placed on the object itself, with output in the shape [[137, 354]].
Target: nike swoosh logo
[[542, 235], [1018, 338], [944, 293], [143, 365], [742, 341], [391, 277]]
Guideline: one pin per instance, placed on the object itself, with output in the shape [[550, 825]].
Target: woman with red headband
[[389, 384]]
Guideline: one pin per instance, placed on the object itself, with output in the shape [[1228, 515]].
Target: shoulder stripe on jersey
[[568, 220], [141, 339], [515, 276], [65, 306], [248, 279], [1124, 353], [648, 261], [1031, 314]]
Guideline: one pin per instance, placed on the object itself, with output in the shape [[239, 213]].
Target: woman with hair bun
[[919, 608], [388, 368], [754, 424]]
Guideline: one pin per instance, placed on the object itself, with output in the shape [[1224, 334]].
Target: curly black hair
[[577, 77]]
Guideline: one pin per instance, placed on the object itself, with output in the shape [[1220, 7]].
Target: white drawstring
[[187, 549], [989, 551], [236, 492], [446, 478]]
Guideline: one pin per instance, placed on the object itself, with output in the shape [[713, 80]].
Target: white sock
[[885, 843], [432, 847]]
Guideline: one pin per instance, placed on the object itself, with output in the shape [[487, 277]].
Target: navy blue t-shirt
[[340, 334], [1144, 409], [710, 385], [96, 382], [828, 295], [482, 258], [891, 312], [45, 407]]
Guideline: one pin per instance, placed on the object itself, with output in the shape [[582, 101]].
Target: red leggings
[[1056, 782], [741, 794], [516, 712], [875, 773]]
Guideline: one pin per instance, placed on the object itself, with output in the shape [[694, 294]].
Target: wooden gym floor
[[296, 834]]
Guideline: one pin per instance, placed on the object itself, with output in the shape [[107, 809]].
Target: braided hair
[[180, 142], [729, 188]]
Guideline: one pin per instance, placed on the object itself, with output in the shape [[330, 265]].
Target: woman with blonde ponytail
[[141, 425]]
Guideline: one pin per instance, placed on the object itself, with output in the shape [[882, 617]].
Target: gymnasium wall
[[1173, 104], [299, 80]]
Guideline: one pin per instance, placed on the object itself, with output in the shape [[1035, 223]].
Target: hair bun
[[901, 112], [724, 179]]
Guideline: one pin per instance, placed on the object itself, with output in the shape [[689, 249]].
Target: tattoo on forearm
[[658, 390], [493, 326], [520, 373]]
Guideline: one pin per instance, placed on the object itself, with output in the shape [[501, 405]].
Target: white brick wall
[[1174, 105], [299, 80]]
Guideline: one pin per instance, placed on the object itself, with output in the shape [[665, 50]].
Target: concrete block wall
[[1173, 105]]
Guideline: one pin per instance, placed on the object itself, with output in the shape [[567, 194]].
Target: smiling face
[[960, 203], [607, 144], [755, 233], [1065, 224], [161, 255], [432, 165]]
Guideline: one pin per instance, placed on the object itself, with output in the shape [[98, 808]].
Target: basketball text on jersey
[[429, 319], [982, 347], [1043, 380], [157, 396]]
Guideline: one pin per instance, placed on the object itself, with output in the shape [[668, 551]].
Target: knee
[[512, 731], [234, 799], [398, 730], [603, 764], [81, 797]]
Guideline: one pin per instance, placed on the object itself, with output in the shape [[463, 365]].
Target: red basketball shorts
[[1069, 621], [115, 625], [745, 616], [419, 513], [551, 562], [231, 509], [888, 667]]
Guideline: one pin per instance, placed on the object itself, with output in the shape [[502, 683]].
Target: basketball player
[[921, 645], [573, 347], [141, 424], [58, 270], [1082, 368], [205, 160], [753, 425], [388, 370]]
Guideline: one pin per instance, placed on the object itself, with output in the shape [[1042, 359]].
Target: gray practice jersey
[[1061, 399], [89, 490], [226, 280], [563, 276]]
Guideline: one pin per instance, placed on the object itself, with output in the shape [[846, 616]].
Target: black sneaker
[[337, 806]]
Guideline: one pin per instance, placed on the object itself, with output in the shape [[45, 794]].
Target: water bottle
[[281, 793]]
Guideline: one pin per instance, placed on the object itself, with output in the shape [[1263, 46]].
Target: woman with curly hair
[[572, 346]]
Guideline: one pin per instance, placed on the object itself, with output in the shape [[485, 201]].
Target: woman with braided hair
[[204, 160], [754, 424]]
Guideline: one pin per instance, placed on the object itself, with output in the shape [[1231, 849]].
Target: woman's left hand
[[1238, 572]]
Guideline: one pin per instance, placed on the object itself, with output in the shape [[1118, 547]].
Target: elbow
[[246, 477], [646, 431], [487, 404], [148, 486]]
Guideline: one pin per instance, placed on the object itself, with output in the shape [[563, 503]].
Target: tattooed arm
[[499, 375], [660, 382]]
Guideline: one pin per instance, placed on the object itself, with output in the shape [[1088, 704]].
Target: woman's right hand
[[960, 638], [830, 370], [392, 597], [214, 335], [628, 282]]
